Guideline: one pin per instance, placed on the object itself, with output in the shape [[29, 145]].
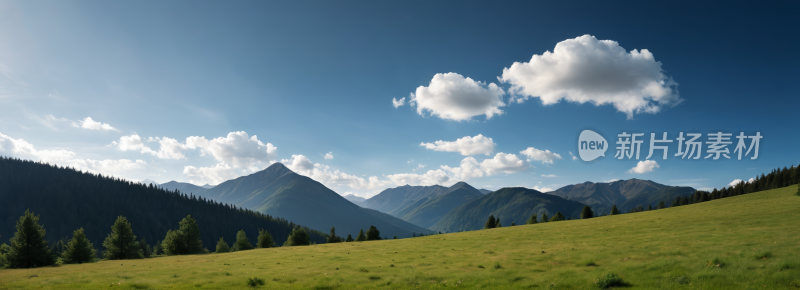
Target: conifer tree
[[349, 238], [545, 218], [614, 210], [79, 250], [28, 246], [264, 240], [298, 237], [587, 213], [222, 246], [191, 234], [332, 237], [796, 175], [4, 250], [497, 223], [395, 237], [661, 205], [649, 207], [373, 233], [490, 223], [121, 242], [531, 220], [361, 237], [157, 250], [242, 243], [798, 190], [146, 251], [174, 244], [557, 217]]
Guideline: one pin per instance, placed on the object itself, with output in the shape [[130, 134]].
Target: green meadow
[[744, 242]]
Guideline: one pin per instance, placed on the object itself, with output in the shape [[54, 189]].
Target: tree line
[[778, 178], [69, 199]]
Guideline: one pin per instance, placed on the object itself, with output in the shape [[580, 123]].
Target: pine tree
[[361, 237], [146, 251], [4, 250], [222, 246], [242, 243], [395, 237], [121, 242], [349, 238], [796, 175], [79, 250], [531, 220], [332, 237], [649, 207], [28, 246], [661, 205], [557, 217], [157, 250], [298, 237], [545, 218], [191, 234], [490, 223], [373, 233], [174, 244], [614, 210], [497, 223], [264, 240], [798, 190], [587, 213]]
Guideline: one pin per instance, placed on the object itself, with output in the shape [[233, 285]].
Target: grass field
[[744, 242]]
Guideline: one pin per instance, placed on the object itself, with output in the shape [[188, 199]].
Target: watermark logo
[[591, 145]]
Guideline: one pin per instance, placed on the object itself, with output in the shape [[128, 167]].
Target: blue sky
[[178, 90]]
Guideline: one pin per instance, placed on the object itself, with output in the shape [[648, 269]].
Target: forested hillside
[[68, 199]]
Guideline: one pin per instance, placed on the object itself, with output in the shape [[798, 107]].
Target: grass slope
[[753, 237]]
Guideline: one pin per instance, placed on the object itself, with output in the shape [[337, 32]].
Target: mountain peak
[[461, 184]]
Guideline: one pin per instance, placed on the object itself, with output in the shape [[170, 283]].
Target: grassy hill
[[743, 242]]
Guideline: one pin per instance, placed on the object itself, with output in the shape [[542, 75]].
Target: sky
[[368, 95]]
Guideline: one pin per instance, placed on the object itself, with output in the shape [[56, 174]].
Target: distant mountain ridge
[[625, 194], [184, 187], [428, 211], [510, 204], [278, 191], [355, 199], [395, 200]]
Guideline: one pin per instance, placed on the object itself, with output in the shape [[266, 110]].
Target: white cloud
[[466, 146], [644, 167], [541, 189], [169, 148], [322, 173], [432, 177], [549, 175], [22, 149], [546, 157], [468, 169], [737, 181], [573, 156], [398, 103], [453, 97], [585, 69], [329, 156], [237, 149], [211, 175], [419, 166], [90, 124], [503, 163]]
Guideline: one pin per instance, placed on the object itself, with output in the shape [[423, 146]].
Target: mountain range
[[510, 204], [278, 191], [625, 194]]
